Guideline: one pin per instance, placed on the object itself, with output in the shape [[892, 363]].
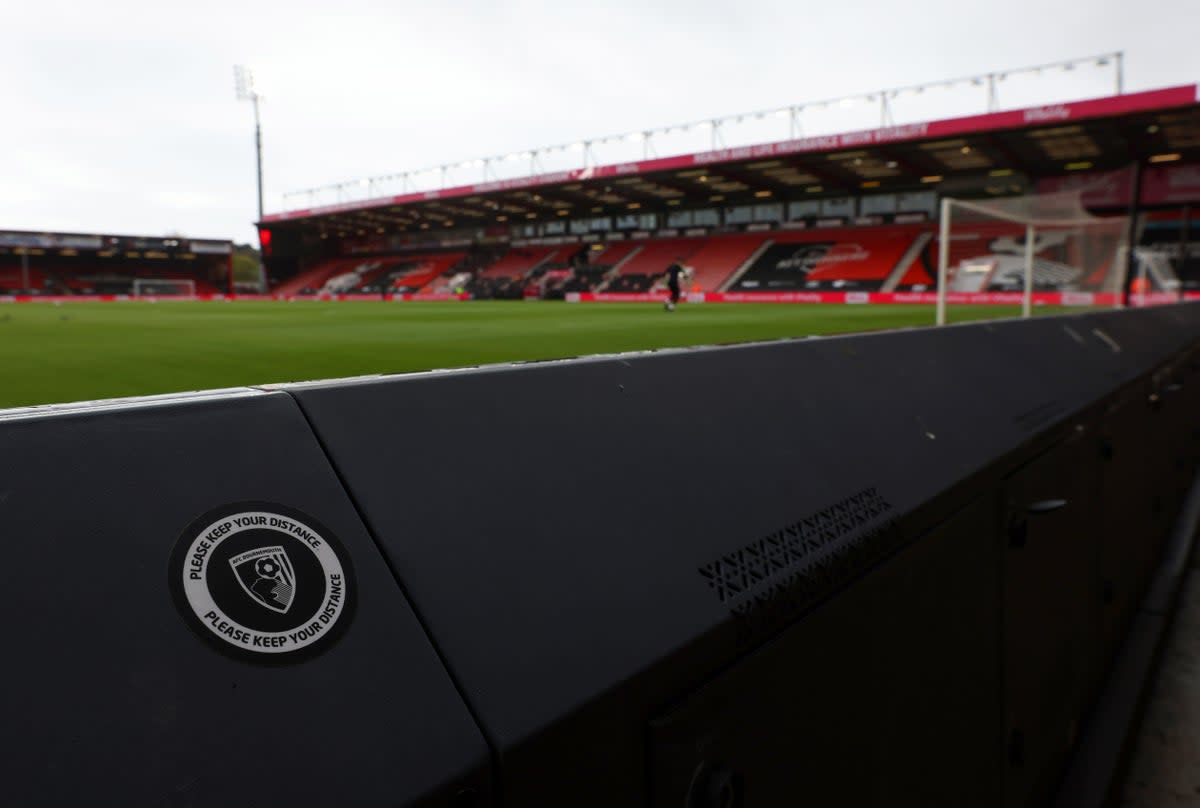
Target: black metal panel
[[859, 703], [1051, 613], [590, 539], [109, 698], [625, 563]]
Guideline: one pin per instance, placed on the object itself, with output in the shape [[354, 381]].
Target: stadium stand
[[415, 274], [11, 280], [1174, 235], [852, 212], [646, 265], [720, 257], [520, 261], [68, 264], [898, 257], [837, 258], [989, 256], [505, 279], [315, 278]]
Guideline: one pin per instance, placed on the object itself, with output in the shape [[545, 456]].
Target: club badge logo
[[266, 575], [262, 582]]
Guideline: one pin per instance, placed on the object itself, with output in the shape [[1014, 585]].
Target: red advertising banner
[[1101, 189], [845, 298], [1173, 184], [1170, 184]]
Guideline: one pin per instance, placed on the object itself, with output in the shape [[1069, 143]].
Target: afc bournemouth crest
[[262, 581]]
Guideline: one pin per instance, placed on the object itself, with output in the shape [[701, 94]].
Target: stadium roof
[[1111, 132], [28, 239]]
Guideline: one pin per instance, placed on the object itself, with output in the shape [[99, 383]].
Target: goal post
[[1029, 244], [164, 287]]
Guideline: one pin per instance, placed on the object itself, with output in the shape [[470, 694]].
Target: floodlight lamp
[[243, 79]]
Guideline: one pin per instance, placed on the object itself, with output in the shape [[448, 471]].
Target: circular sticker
[[262, 581]]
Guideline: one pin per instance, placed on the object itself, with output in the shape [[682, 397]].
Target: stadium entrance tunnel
[[893, 568]]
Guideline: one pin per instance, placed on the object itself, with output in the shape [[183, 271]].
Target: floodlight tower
[[243, 79]]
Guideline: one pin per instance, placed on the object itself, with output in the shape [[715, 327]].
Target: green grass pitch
[[81, 351]]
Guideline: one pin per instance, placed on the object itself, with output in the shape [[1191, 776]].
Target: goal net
[[1021, 247], [164, 287]]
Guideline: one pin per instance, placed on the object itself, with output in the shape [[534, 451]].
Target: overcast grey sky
[[121, 116]]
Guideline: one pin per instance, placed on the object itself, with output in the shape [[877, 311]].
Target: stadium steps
[[616, 270], [518, 263], [971, 241], [425, 270], [458, 273], [720, 257], [736, 275], [655, 256], [901, 269], [314, 278]]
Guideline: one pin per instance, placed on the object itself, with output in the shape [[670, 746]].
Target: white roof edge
[[131, 402]]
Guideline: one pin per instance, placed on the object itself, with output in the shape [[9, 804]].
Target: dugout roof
[[1157, 126]]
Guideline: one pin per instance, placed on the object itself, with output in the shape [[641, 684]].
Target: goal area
[[164, 287], [1019, 247]]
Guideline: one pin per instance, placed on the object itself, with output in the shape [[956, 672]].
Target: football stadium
[[852, 468], [847, 219]]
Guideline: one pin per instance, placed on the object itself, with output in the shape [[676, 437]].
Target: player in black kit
[[674, 272]]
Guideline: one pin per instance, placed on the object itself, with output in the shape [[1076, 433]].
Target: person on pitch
[[673, 274]]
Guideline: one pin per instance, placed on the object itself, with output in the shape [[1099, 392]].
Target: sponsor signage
[[1171, 184], [211, 247]]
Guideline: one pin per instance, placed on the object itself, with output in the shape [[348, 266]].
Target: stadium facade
[[839, 217], [87, 265]]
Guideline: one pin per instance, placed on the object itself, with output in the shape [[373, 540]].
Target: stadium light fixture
[[243, 81], [882, 97]]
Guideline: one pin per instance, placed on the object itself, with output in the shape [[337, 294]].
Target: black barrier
[[880, 569]]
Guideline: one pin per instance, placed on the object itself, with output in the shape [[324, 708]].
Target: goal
[[164, 287], [1026, 245]]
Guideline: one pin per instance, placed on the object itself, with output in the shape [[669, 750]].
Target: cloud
[[121, 116]]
